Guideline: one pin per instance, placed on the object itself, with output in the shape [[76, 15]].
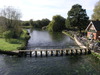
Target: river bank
[[13, 45], [74, 38], [95, 54]]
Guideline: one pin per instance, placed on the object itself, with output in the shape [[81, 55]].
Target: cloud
[[38, 9]]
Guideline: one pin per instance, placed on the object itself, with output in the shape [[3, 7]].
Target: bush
[[25, 37], [8, 35]]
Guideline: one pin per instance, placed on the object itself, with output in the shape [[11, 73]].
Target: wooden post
[[19, 54], [30, 53], [66, 52], [35, 53], [46, 53], [61, 52], [76, 51], [89, 51], [80, 51], [71, 52], [56, 52], [51, 53], [41, 53], [85, 51], [24, 54]]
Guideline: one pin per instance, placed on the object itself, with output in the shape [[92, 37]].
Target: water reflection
[[47, 39]]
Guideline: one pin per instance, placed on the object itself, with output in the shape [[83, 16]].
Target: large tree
[[57, 24], [10, 20], [96, 14], [77, 17]]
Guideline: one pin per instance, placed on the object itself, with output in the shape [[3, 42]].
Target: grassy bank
[[97, 55], [7, 46], [68, 33], [14, 44]]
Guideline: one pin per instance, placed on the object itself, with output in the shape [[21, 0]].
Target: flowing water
[[52, 65]]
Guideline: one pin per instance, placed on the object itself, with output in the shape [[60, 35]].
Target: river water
[[61, 65]]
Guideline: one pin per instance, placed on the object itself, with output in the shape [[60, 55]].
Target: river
[[52, 65]]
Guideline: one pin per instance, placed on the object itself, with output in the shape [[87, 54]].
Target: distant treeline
[[36, 24], [77, 18]]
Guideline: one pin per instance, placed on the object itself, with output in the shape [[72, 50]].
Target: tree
[[77, 17], [96, 14], [25, 23], [45, 22], [57, 24], [31, 22], [40, 23], [11, 20]]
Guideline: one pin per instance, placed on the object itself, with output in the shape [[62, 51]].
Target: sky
[[39, 9]]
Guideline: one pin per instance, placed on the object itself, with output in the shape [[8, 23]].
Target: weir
[[53, 52]]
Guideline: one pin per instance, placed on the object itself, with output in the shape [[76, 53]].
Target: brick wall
[[89, 33]]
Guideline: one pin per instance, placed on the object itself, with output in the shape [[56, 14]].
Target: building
[[93, 30]]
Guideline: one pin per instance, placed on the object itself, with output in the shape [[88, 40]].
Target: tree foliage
[[40, 23], [10, 20], [77, 17], [96, 14], [8, 35], [57, 24], [25, 23], [31, 22]]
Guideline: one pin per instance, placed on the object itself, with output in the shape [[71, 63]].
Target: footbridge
[[53, 52]]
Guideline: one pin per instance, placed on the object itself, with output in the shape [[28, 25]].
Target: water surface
[[45, 39], [52, 65]]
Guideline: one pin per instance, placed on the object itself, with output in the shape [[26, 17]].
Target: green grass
[[67, 33], [96, 55], [7, 46], [14, 44]]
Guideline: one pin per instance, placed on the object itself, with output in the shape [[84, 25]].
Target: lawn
[[6, 46], [14, 44]]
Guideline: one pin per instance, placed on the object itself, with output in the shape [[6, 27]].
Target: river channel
[[52, 65]]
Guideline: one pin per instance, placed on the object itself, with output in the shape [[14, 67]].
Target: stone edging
[[79, 43]]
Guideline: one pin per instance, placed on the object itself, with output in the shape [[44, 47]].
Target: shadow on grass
[[15, 41]]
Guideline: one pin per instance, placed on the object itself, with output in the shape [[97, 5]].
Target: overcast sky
[[39, 9]]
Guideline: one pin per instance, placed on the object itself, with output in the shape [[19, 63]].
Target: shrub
[[8, 35]]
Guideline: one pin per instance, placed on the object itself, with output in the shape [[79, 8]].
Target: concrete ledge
[[80, 44], [8, 52], [97, 55]]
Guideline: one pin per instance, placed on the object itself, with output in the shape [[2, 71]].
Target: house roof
[[96, 25]]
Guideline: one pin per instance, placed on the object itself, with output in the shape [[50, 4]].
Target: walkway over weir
[[54, 52]]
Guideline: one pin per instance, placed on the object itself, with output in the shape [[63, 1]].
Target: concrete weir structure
[[53, 52]]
